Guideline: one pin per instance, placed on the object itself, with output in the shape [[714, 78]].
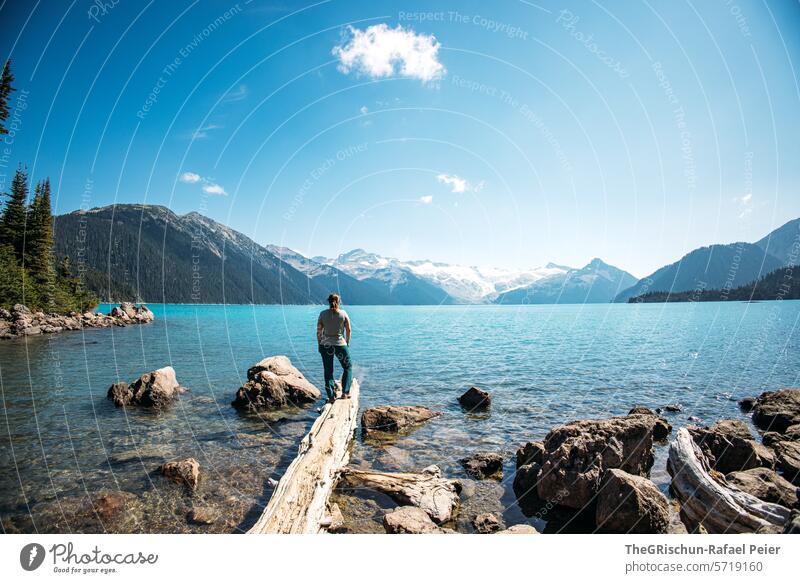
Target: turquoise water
[[62, 442]]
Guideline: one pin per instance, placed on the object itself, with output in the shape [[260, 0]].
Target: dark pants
[[343, 354]]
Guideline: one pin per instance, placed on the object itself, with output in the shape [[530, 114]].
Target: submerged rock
[[730, 447], [274, 383], [393, 418], [109, 504], [185, 472], [630, 504], [487, 523], [765, 484], [203, 515], [155, 389], [577, 454], [475, 398], [483, 465], [777, 410], [409, 520]]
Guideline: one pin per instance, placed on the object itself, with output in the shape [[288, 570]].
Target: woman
[[333, 338]]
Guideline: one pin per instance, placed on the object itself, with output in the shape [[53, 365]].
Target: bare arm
[[347, 330]]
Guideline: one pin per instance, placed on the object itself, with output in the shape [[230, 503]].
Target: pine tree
[[5, 92], [12, 222], [39, 242]]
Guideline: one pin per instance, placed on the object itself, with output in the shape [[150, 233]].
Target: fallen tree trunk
[[710, 502], [427, 490], [299, 503]]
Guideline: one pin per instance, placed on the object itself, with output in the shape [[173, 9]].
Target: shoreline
[[20, 322]]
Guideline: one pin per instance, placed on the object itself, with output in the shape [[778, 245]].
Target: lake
[[62, 442]]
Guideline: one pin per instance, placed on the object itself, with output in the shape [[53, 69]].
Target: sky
[[507, 134]]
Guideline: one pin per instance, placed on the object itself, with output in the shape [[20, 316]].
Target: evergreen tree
[[39, 240], [12, 222], [5, 92]]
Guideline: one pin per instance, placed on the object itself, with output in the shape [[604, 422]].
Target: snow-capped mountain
[[464, 284]]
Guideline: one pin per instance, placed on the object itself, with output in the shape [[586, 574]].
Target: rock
[[765, 484], [771, 438], [673, 408], [793, 524], [393, 418], [519, 529], [475, 398], [186, 472], [531, 452], [155, 389], [110, 503], [525, 482], [483, 465], [788, 453], [409, 520], [32, 330], [203, 515], [337, 519], [661, 428], [274, 383], [577, 454], [630, 504], [747, 404], [487, 523], [730, 447], [777, 410], [128, 309]]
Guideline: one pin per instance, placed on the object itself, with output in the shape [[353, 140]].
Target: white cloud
[[202, 132], [745, 204], [380, 51], [455, 183], [238, 94], [212, 188], [190, 177], [427, 199], [364, 110]]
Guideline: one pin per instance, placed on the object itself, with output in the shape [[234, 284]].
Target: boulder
[[788, 453], [487, 523], [630, 504], [483, 465], [274, 383], [155, 389], [475, 398], [577, 454], [531, 452], [519, 529], [673, 408], [128, 309], [392, 418], [661, 428], [409, 520], [525, 482], [185, 472], [747, 404], [777, 410], [765, 484], [730, 447]]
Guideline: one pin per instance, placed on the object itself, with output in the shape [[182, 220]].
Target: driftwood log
[[708, 501], [427, 490], [299, 503]]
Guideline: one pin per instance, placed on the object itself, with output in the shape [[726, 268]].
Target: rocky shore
[[20, 321]]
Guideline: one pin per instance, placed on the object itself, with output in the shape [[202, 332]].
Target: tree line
[[29, 272]]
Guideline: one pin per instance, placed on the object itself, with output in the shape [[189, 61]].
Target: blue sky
[[507, 133]]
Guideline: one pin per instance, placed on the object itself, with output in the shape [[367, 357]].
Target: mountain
[[148, 253], [462, 284], [597, 282], [781, 284], [713, 267], [783, 243]]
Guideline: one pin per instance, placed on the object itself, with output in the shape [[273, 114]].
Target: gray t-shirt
[[333, 327]]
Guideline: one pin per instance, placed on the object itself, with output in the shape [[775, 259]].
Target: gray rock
[[409, 520], [788, 453], [274, 383], [392, 418], [765, 484], [155, 389], [630, 504], [730, 447], [777, 410], [519, 529]]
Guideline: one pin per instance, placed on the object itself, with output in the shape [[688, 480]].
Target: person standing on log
[[333, 339]]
